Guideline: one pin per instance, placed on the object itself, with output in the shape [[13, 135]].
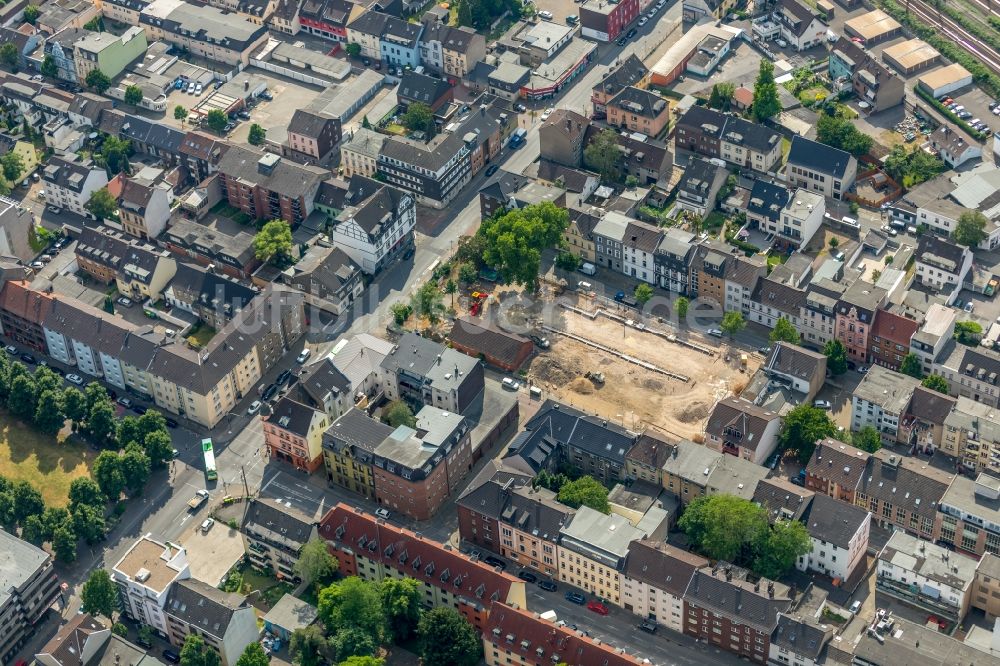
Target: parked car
[[283, 377], [191, 87], [495, 561], [207, 525], [597, 607], [715, 332], [382, 513], [547, 585], [492, 169], [855, 607], [74, 379], [510, 384], [172, 656], [527, 576], [37, 264], [576, 598], [124, 402], [643, 21], [254, 407], [545, 15], [29, 359], [631, 33], [548, 112], [198, 88], [822, 404], [303, 356], [969, 307], [124, 302], [171, 423], [648, 626], [55, 210], [270, 392], [11, 349]]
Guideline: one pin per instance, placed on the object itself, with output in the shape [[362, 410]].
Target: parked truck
[[199, 498]]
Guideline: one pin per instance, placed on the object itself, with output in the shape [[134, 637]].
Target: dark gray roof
[[699, 177], [628, 73], [119, 252], [68, 174], [211, 289], [286, 177], [788, 359], [487, 339], [905, 483], [795, 16], [322, 379], [752, 135], [277, 521], [203, 606], [329, 267], [930, 406], [292, 416], [800, 637], [369, 23], [357, 430], [640, 102], [745, 271], [941, 253], [833, 520], [433, 155], [742, 602], [308, 123], [780, 296], [782, 499], [767, 199], [574, 180], [368, 201], [740, 422], [570, 427], [662, 566], [818, 157], [414, 87], [708, 121], [651, 450], [840, 463], [642, 237]]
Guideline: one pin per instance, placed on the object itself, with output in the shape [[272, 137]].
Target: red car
[[597, 607]]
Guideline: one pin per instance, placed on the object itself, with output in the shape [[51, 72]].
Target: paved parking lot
[[977, 103], [273, 116], [560, 8]]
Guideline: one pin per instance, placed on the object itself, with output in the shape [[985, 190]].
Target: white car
[[970, 307], [780, 42], [207, 525], [643, 21], [197, 89], [546, 15], [822, 404], [510, 384], [382, 513], [548, 112], [254, 407], [715, 332], [74, 379]]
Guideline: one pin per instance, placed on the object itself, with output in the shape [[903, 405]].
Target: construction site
[[635, 370]]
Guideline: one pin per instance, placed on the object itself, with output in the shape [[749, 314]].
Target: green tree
[[33, 530], [401, 599], [836, 357], [766, 103], [315, 562], [97, 81], [257, 135], [567, 261], [253, 655], [64, 542], [585, 491], [366, 660], [49, 67], [133, 95], [31, 13], [804, 426], [196, 653], [309, 646], [604, 156], [446, 639], [180, 113], [911, 366], [74, 404], [467, 272], [724, 527], [841, 133], [722, 96], [428, 302], [401, 312], [968, 332], [11, 166], [274, 242], [114, 154], [120, 629], [100, 594], [27, 501], [419, 118], [515, 240], [364, 121], [353, 49], [158, 447], [643, 292], [49, 416], [451, 288], [353, 603], [102, 205], [217, 121], [94, 25], [23, 397], [84, 491], [936, 383], [398, 413], [10, 56], [785, 542], [107, 471], [351, 641], [88, 523], [732, 323], [135, 467], [911, 167], [784, 331], [681, 305], [101, 425], [867, 439], [970, 229]]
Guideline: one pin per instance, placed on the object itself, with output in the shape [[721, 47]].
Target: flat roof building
[[944, 80], [911, 56], [872, 27]]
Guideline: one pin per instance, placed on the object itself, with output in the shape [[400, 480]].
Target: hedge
[[948, 113]]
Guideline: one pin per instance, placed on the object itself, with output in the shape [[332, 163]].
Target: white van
[[588, 268], [304, 356]]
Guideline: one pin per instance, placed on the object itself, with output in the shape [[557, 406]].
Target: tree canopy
[[309, 646], [427, 301], [196, 653], [257, 135], [836, 357], [766, 103], [102, 205], [401, 599], [843, 134], [419, 118], [273, 242], [353, 603], [911, 366], [180, 113], [912, 167], [446, 639], [804, 426], [732, 323], [100, 594], [968, 332], [604, 156], [970, 229], [867, 439], [133, 95], [936, 383], [513, 241], [253, 655], [480, 14], [217, 120], [722, 96], [643, 292], [97, 81], [315, 561], [10, 56], [784, 331], [585, 491]]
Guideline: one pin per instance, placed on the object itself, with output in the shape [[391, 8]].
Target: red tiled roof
[[894, 327], [19, 299], [425, 560], [525, 633]]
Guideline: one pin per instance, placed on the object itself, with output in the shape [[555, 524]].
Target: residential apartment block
[[226, 621], [29, 587], [820, 168], [274, 534], [654, 581], [293, 433], [144, 576]]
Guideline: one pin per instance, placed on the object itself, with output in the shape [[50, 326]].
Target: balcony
[[912, 595]]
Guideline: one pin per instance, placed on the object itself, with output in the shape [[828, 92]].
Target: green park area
[[48, 463]]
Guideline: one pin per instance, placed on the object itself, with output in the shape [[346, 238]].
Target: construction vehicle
[[596, 377]]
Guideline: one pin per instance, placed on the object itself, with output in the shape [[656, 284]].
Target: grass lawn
[[786, 146], [713, 222], [44, 462], [202, 334]]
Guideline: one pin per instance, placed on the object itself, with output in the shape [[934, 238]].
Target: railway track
[[989, 56]]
